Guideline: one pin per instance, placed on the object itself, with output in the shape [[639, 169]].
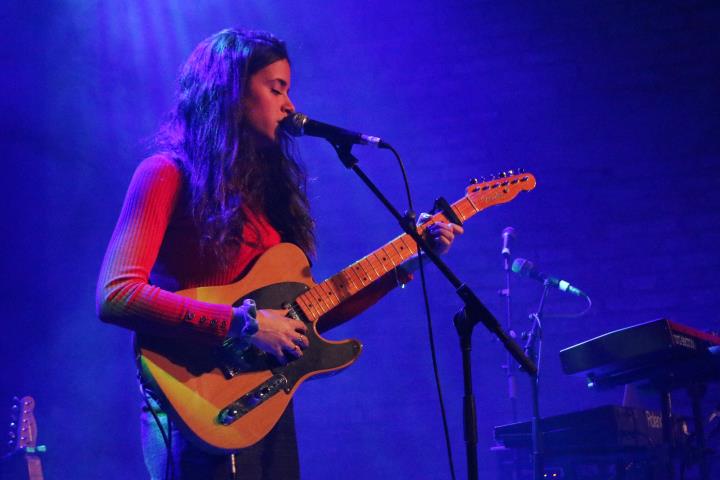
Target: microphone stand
[[533, 349], [471, 314], [510, 367]]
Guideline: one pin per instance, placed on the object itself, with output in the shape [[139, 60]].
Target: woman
[[222, 189]]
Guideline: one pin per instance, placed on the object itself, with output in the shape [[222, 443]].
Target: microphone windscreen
[[294, 124], [522, 266]]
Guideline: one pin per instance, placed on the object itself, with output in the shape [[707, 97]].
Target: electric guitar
[[23, 436], [230, 397]]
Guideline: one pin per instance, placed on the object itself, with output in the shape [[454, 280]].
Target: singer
[[221, 188]]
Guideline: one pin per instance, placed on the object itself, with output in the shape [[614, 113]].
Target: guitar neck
[[34, 466], [330, 293]]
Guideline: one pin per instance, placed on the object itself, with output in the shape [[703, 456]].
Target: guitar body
[[196, 384]]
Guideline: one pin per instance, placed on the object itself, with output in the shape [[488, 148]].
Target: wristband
[[250, 325], [244, 324]]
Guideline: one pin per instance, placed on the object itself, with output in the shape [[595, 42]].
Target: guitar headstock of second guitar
[[23, 427]]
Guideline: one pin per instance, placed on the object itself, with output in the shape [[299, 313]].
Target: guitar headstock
[[23, 433], [499, 188]]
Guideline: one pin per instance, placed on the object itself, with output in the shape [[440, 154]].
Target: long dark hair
[[223, 166]]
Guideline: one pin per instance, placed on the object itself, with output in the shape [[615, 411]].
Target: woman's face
[[266, 101]]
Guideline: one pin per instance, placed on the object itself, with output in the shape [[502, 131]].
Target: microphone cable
[[165, 434], [572, 315], [431, 335]]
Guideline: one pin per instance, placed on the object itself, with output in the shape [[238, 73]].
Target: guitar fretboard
[[330, 293]]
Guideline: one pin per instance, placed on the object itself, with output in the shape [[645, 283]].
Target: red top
[[155, 250]]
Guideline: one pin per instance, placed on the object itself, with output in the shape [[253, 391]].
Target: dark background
[[613, 105]]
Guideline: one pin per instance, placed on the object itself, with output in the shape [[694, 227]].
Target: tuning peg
[[473, 181], [520, 170], [502, 175], [511, 173]]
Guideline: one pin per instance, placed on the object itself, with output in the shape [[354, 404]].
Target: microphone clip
[[344, 152]]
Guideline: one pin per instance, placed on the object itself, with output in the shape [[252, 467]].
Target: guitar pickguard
[[320, 356]]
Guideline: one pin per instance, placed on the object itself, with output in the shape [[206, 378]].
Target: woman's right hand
[[279, 335]]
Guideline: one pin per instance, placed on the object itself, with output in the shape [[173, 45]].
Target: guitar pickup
[[252, 399]]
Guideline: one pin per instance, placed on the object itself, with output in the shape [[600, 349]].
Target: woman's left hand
[[440, 236]]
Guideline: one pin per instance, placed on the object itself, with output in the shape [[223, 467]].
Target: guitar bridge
[[252, 399]]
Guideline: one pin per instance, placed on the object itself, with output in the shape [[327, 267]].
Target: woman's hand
[[279, 335], [440, 236]]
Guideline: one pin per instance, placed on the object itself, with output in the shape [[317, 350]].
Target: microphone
[[298, 124], [506, 234], [526, 268]]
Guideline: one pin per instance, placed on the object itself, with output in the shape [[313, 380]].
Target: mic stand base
[[465, 328]]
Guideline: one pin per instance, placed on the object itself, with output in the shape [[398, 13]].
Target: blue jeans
[[275, 457]]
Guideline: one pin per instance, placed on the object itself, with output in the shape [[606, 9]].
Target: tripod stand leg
[[696, 393]]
